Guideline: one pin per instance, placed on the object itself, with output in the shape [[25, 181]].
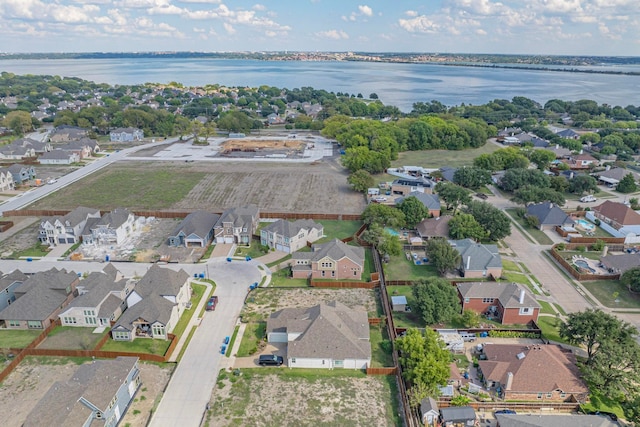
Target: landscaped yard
[[594, 255], [381, 347], [254, 250], [252, 338], [508, 265], [439, 158], [282, 279], [549, 329], [537, 234], [303, 397], [610, 291], [515, 277], [399, 268], [17, 339]]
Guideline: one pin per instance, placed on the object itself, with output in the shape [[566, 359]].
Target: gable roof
[[14, 276], [113, 219], [618, 212], [427, 405], [199, 223], [549, 214], [548, 420], [434, 227], [96, 382], [476, 256], [239, 216], [457, 413], [430, 201], [507, 293], [326, 330], [56, 155], [543, 368], [621, 263], [100, 286], [290, 229], [161, 281], [335, 250], [613, 173], [152, 308]]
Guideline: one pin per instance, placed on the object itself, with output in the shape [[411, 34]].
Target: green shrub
[[597, 222], [513, 334], [581, 248], [561, 246]]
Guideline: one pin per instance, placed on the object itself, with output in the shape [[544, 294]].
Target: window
[[14, 323], [90, 320], [99, 415], [525, 310], [466, 300], [121, 335], [70, 320], [34, 324], [326, 264], [485, 300], [355, 273], [549, 395], [563, 395], [322, 273], [333, 273], [539, 395]]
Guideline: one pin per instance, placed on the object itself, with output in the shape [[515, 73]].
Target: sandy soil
[[278, 400], [262, 144], [29, 382]]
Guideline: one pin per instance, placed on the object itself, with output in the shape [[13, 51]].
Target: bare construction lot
[[319, 187]]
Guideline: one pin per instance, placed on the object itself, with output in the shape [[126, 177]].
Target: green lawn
[[17, 339], [604, 291], [338, 229], [508, 265], [404, 319], [232, 341], [253, 335], [399, 268], [381, 347], [538, 235], [546, 308], [72, 338], [254, 250], [599, 402], [549, 329], [439, 158], [280, 261], [594, 255], [515, 277], [39, 250], [368, 265], [147, 188], [281, 279], [139, 345]]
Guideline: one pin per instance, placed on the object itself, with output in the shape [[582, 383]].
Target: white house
[[6, 180], [112, 228], [67, 228], [617, 219], [286, 236], [59, 157], [126, 134]]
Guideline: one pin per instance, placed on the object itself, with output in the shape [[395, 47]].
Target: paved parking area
[[279, 349]]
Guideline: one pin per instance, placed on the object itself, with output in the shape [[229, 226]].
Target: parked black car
[[270, 360]]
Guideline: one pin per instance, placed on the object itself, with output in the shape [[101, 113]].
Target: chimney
[[509, 381], [581, 152], [608, 167], [605, 251], [557, 146], [521, 299], [468, 262]]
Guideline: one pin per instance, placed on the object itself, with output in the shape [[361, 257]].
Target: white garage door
[[279, 248], [228, 239], [277, 337]]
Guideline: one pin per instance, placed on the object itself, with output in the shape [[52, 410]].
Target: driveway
[[279, 349]]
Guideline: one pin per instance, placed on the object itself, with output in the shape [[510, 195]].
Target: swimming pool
[[391, 231], [584, 264], [585, 224]]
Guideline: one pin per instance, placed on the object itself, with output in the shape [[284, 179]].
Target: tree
[[492, 219], [452, 194], [581, 184], [627, 184], [414, 211], [235, 121], [460, 400], [19, 122], [470, 318], [425, 362], [389, 244], [559, 183], [436, 300], [631, 279], [531, 194], [592, 328], [472, 177], [463, 226], [615, 368], [361, 180], [542, 158], [516, 178], [442, 255], [383, 215]]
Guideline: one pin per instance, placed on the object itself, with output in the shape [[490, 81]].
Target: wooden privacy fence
[[575, 273], [519, 406], [614, 240], [382, 371], [340, 284]]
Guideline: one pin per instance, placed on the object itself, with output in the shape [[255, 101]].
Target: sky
[[553, 27]]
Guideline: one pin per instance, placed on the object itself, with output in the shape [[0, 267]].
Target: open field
[[278, 187], [439, 158], [303, 397]]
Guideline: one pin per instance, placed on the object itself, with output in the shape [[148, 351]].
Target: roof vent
[[520, 356]]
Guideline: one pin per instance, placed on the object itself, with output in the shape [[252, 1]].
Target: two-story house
[[112, 228], [67, 228], [405, 186], [237, 225], [286, 236], [22, 173], [6, 180], [196, 230], [126, 135], [332, 260], [509, 303]]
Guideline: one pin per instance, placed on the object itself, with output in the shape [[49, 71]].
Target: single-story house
[[405, 186], [331, 260], [399, 303], [620, 263], [568, 134], [59, 157], [458, 416], [550, 420], [287, 236], [429, 411], [430, 201], [478, 260], [66, 229], [532, 373], [582, 161], [510, 303], [98, 393], [237, 225], [126, 134], [196, 230], [39, 300], [154, 306], [617, 219], [549, 215], [430, 228], [611, 176], [447, 173], [328, 335]]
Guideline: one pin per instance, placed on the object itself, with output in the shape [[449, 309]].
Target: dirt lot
[[291, 187], [29, 382], [264, 301], [23, 235], [291, 399], [262, 144]]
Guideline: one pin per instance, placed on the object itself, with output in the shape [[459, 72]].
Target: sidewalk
[[195, 321]]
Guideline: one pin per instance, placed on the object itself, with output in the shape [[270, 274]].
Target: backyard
[[612, 293], [439, 158], [303, 397], [17, 339], [399, 268], [72, 338]]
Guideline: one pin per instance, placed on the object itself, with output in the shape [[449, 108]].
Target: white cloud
[[168, 9], [411, 13], [270, 33], [419, 24], [365, 10], [481, 32], [202, 1], [259, 7], [140, 4], [199, 30], [333, 34], [229, 28]]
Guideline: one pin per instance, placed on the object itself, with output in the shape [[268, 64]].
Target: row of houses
[[16, 174]]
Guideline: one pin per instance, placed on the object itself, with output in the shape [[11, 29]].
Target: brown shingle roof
[[618, 212], [434, 227]]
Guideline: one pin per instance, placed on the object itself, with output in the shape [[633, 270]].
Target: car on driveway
[[270, 360], [212, 303], [505, 411]]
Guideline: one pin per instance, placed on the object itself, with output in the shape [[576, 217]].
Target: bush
[[598, 245], [597, 222], [581, 248], [561, 247], [513, 334], [520, 212]]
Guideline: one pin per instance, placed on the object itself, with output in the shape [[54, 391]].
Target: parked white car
[[587, 199]]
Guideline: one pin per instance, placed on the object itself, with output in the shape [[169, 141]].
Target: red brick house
[[332, 260], [532, 373], [508, 302]]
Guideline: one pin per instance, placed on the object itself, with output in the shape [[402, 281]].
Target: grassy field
[[17, 339], [72, 338], [281, 279], [599, 402], [605, 290], [508, 265], [399, 268], [515, 277], [253, 335], [538, 235], [439, 158], [381, 347], [338, 229], [405, 319]]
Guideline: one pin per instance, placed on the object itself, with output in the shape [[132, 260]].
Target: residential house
[[66, 229], [560, 152], [22, 173], [126, 135], [8, 284], [568, 134], [509, 303], [332, 260], [457, 416], [37, 146], [539, 142], [84, 147], [405, 186], [328, 335], [620, 263], [544, 373], [67, 133], [617, 219], [112, 228], [549, 216], [6, 180], [39, 300], [431, 228], [237, 225], [582, 161], [98, 393], [509, 131], [478, 260], [196, 230], [550, 420], [448, 173], [611, 176], [286, 236], [430, 201], [154, 306], [101, 300], [59, 157], [429, 411], [16, 152]]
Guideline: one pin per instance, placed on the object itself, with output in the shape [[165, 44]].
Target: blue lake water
[[396, 84]]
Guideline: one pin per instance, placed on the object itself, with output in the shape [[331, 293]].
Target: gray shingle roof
[[507, 293], [240, 217], [476, 256], [457, 413], [55, 155], [290, 229], [161, 281], [14, 276], [152, 308], [99, 286], [430, 201], [549, 214], [335, 250], [114, 219], [199, 223], [621, 263], [513, 420], [434, 227]]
